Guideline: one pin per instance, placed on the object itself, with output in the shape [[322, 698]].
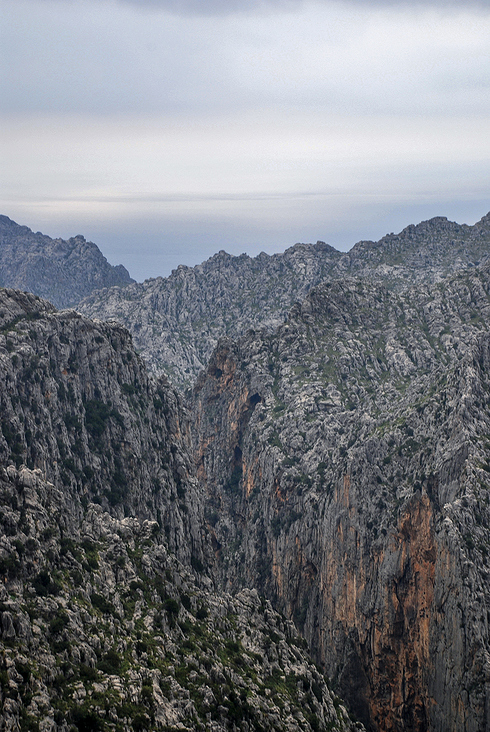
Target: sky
[[167, 130]]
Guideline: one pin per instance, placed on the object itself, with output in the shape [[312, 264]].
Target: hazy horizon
[[165, 131]]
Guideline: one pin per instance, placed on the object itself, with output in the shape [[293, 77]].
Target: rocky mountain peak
[[61, 271], [178, 320]]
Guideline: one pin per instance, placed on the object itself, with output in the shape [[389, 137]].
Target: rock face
[[76, 403], [61, 271], [176, 322], [108, 617], [101, 628], [334, 460], [346, 460]]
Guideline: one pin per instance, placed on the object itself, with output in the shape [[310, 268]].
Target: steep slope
[[61, 271], [76, 402], [346, 458], [177, 321], [108, 620], [103, 629]]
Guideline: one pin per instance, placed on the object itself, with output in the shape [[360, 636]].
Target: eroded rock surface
[[102, 628], [109, 619], [177, 321], [346, 459], [76, 402]]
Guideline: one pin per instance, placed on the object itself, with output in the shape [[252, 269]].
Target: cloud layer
[[253, 129]]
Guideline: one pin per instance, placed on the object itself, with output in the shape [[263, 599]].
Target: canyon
[[295, 539]]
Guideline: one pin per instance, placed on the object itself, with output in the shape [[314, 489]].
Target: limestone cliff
[[61, 271], [76, 403], [102, 628], [346, 459], [109, 620], [176, 321]]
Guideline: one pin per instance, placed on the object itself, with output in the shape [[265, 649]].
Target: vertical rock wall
[[355, 493]]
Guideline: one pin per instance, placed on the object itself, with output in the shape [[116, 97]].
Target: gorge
[[298, 539]]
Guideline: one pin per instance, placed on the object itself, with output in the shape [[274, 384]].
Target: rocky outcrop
[[426, 253], [109, 619], [177, 321], [346, 462], [340, 469], [76, 403], [102, 628], [61, 271]]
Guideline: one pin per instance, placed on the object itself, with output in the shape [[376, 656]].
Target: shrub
[[44, 585], [99, 602], [110, 663]]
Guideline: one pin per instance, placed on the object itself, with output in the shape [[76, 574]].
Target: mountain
[[61, 271], [109, 619], [425, 253], [169, 561], [346, 460], [176, 321]]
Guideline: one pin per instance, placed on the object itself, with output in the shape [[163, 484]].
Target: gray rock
[[346, 460], [61, 271], [177, 321]]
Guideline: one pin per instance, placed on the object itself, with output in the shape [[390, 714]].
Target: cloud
[[225, 7], [274, 125], [101, 58], [204, 8]]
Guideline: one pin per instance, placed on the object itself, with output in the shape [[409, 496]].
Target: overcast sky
[[166, 130]]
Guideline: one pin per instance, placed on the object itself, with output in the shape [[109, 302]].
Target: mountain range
[[299, 541], [61, 271], [177, 321]]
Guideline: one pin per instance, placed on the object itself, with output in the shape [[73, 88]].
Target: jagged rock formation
[[61, 271], [103, 629], [342, 460], [76, 402], [346, 459], [426, 253], [108, 619], [177, 321]]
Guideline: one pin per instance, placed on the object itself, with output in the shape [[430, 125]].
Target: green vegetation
[[97, 416]]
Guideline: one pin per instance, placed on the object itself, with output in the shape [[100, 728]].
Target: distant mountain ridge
[[426, 252], [63, 272], [177, 321]]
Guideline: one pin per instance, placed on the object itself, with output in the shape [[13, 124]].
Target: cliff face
[[102, 628], [61, 271], [346, 464], [76, 403], [176, 322], [108, 618], [335, 459]]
